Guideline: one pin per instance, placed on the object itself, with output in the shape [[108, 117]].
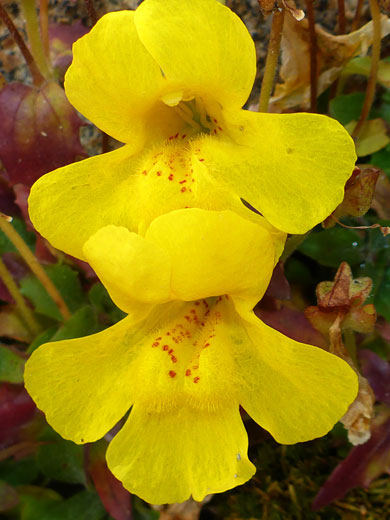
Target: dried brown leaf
[[333, 54]]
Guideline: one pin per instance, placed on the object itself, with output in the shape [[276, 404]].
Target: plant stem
[[341, 17], [38, 78], [375, 57], [272, 58], [292, 243], [25, 312], [35, 266], [34, 36], [313, 55], [44, 25], [91, 11], [356, 19]]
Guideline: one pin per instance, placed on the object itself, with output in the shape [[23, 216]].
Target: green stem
[[44, 25], [375, 57], [293, 242], [38, 79], [34, 36], [35, 266], [272, 58], [25, 312]]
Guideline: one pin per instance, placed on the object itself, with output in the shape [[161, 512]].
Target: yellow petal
[[166, 457], [68, 205], [202, 47], [114, 82], [214, 253], [291, 167], [132, 269], [295, 391], [84, 385]]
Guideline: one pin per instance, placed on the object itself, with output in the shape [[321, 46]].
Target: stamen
[[187, 117]]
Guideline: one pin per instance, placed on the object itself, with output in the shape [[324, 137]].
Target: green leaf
[[142, 512], [381, 159], [8, 497], [67, 282], [42, 338], [28, 236], [61, 460], [11, 366], [347, 107], [48, 505], [82, 323], [333, 246], [100, 298], [18, 472]]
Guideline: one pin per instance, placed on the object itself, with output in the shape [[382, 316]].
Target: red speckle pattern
[[187, 337], [173, 163]]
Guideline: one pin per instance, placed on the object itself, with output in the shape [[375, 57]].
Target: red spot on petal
[[201, 160], [174, 359], [170, 351], [158, 173], [182, 182], [172, 373], [197, 303], [170, 177], [188, 372], [156, 344], [144, 172], [183, 189], [206, 345], [219, 128], [165, 347], [196, 379]]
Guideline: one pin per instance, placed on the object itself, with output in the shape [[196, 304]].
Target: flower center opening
[[199, 117]]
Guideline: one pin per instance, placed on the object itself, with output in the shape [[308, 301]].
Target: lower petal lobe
[[295, 391], [167, 457]]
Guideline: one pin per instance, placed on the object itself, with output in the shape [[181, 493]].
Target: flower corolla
[[169, 80], [189, 353]]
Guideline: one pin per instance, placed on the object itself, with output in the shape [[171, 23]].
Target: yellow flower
[[169, 80], [189, 353]]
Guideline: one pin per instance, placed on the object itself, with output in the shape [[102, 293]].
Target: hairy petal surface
[[70, 204], [295, 391], [167, 457], [203, 48], [291, 167]]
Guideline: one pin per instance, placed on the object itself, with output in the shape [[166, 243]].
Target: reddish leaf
[[377, 371], [39, 132], [278, 287], [114, 497], [293, 324], [61, 38], [7, 197], [363, 464], [16, 409]]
